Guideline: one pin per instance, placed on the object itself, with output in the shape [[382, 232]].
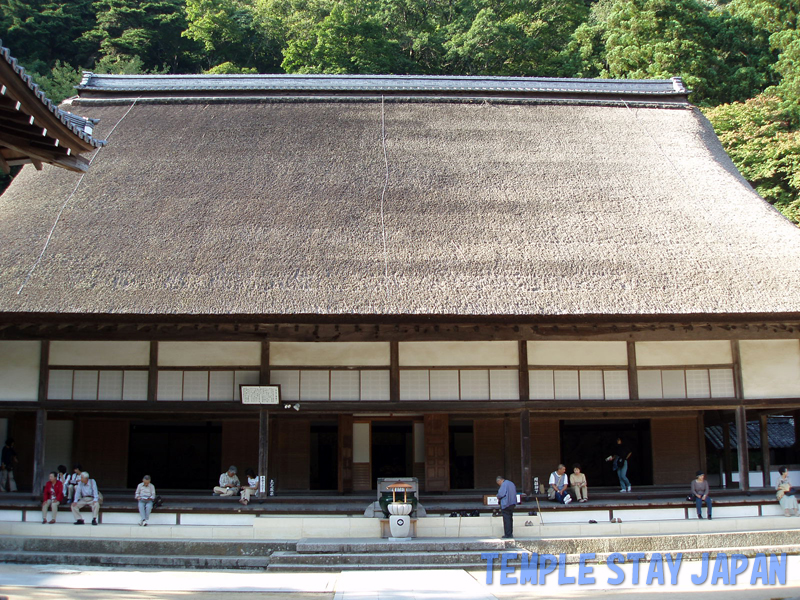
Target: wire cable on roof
[[66, 202], [383, 197]]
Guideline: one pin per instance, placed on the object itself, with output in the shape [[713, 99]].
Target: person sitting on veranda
[[251, 487], [577, 482], [228, 483], [144, 495], [72, 480], [559, 482], [51, 497], [86, 493]]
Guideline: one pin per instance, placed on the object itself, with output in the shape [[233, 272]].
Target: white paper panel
[[220, 386], [674, 383], [59, 385], [110, 387], [209, 354], [770, 368], [245, 378], [134, 385], [591, 385], [650, 385], [475, 385], [504, 384], [289, 381], [345, 385], [19, 370], [722, 383], [457, 354], [90, 354], [361, 442], [616, 385], [566, 385], [567, 354], [665, 354], [541, 384], [414, 385], [444, 385], [315, 385], [697, 384], [329, 354], [195, 385], [374, 385], [170, 385]]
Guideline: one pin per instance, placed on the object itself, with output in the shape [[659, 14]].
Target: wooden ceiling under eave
[[30, 133]]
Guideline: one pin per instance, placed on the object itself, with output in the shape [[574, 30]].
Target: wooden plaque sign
[[260, 394]]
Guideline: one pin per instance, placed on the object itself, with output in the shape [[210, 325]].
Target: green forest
[[741, 58]]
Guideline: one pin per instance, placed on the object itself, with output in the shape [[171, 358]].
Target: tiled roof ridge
[[80, 126], [381, 83]]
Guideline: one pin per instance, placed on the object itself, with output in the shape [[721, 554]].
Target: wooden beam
[[55, 156], [38, 453], [525, 442], [742, 449], [4, 166], [738, 381], [263, 448], [765, 458], [633, 375]]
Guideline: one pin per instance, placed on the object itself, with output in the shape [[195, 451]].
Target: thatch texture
[[275, 208]]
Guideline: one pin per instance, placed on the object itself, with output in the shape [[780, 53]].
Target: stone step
[[373, 546], [379, 558], [144, 547], [314, 568], [137, 560]]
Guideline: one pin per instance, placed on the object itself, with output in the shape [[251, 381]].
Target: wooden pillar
[[394, 372], [38, 452], [726, 452], [525, 443], [437, 452], [44, 369], [765, 466], [263, 450], [741, 446], [633, 375], [524, 373], [263, 372], [152, 373], [345, 453], [701, 441]]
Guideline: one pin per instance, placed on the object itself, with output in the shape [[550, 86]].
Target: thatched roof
[[494, 208]]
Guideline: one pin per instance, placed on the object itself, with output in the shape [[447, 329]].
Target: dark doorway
[[177, 456], [392, 449], [462, 455], [324, 456], [590, 442]]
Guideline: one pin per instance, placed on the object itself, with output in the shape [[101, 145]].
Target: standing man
[[8, 460], [86, 494], [507, 495]]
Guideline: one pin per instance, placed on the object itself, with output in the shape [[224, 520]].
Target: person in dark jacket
[[8, 460], [507, 496]]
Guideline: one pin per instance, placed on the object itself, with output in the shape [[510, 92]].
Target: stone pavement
[[23, 582]]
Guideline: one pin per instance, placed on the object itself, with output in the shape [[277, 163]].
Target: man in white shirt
[[228, 483], [559, 482], [86, 494]]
